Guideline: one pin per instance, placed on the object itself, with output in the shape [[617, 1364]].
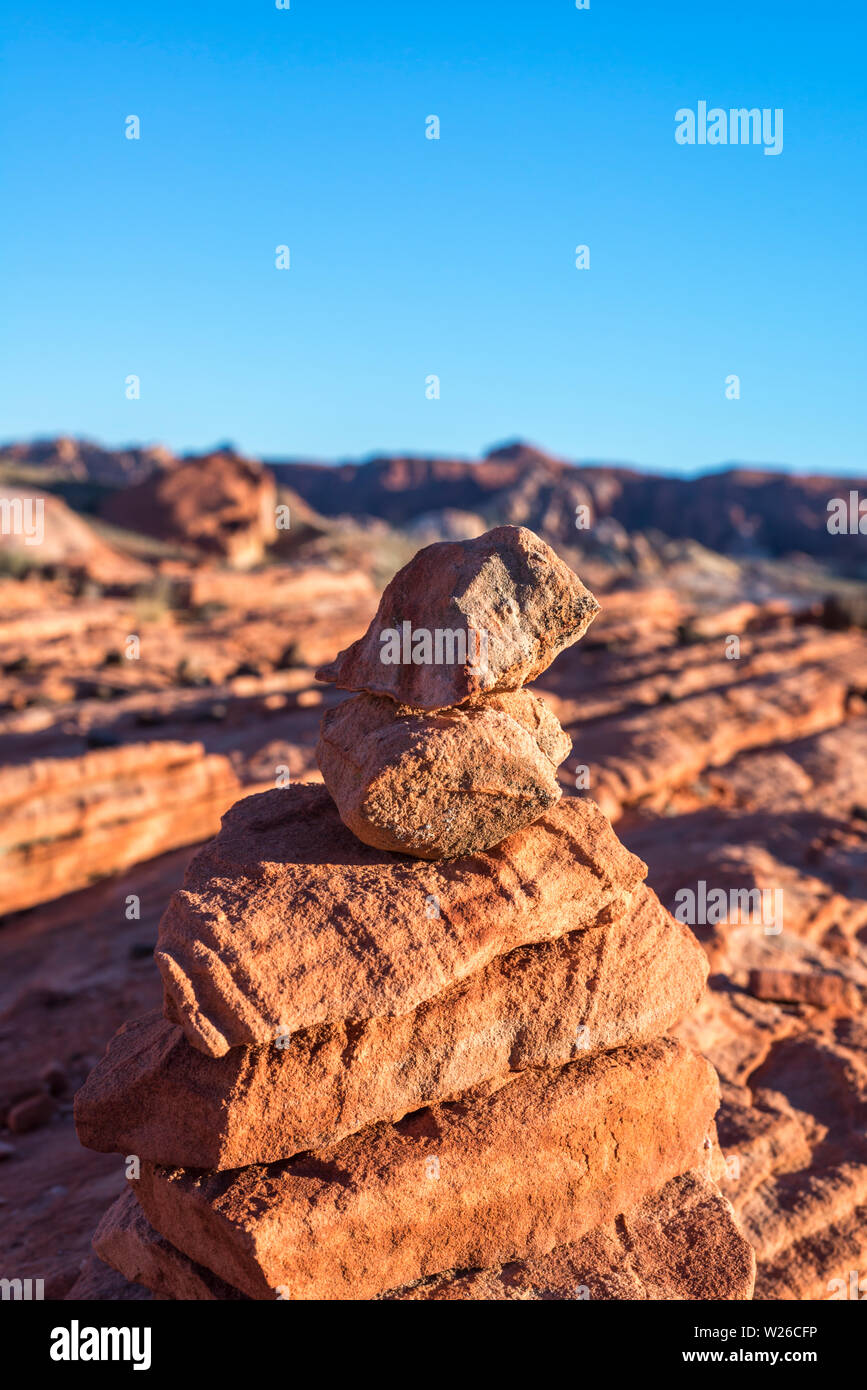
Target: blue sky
[[455, 257]]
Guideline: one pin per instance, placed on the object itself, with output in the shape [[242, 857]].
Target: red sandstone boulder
[[221, 504], [467, 617], [439, 785]]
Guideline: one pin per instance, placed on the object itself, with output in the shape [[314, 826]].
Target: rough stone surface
[[156, 1096], [507, 584], [444, 784], [681, 1243], [471, 1183], [286, 920], [100, 1283], [806, 987], [125, 1240]]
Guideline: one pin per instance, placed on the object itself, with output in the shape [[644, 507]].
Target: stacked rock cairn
[[413, 1043]]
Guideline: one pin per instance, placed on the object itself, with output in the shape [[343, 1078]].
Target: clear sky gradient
[[410, 256]]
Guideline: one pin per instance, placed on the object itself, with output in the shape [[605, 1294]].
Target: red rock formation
[[587, 992], [220, 504], [378, 1065], [229, 671], [734, 510]]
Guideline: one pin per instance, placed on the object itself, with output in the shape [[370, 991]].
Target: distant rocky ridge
[[737, 511], [741, 512]]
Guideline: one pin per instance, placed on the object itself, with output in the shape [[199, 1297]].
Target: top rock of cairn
[[466, 618]]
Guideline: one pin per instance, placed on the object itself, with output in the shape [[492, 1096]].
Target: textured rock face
[[287, 921], [127, 1242], [680, 1243], [510, 1176], [440, 785], [508, 601], [156, 1096]]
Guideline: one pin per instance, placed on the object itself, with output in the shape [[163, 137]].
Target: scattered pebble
[[54, 1076], [31, 1113]]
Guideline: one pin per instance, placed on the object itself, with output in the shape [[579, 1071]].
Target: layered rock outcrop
[[435, 1073]]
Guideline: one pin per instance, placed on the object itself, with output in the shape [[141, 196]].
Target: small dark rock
[[32, 1113], [54, 1076]]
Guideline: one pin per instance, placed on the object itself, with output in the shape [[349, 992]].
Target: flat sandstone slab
[[467, 1184], [287, 921], [439, 785], [506, 595], [539, 1006], [681, 1243]]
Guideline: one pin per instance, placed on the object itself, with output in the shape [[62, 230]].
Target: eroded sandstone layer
[[680, 1243], [286, 920], [470, 1183], [157, 1096]]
